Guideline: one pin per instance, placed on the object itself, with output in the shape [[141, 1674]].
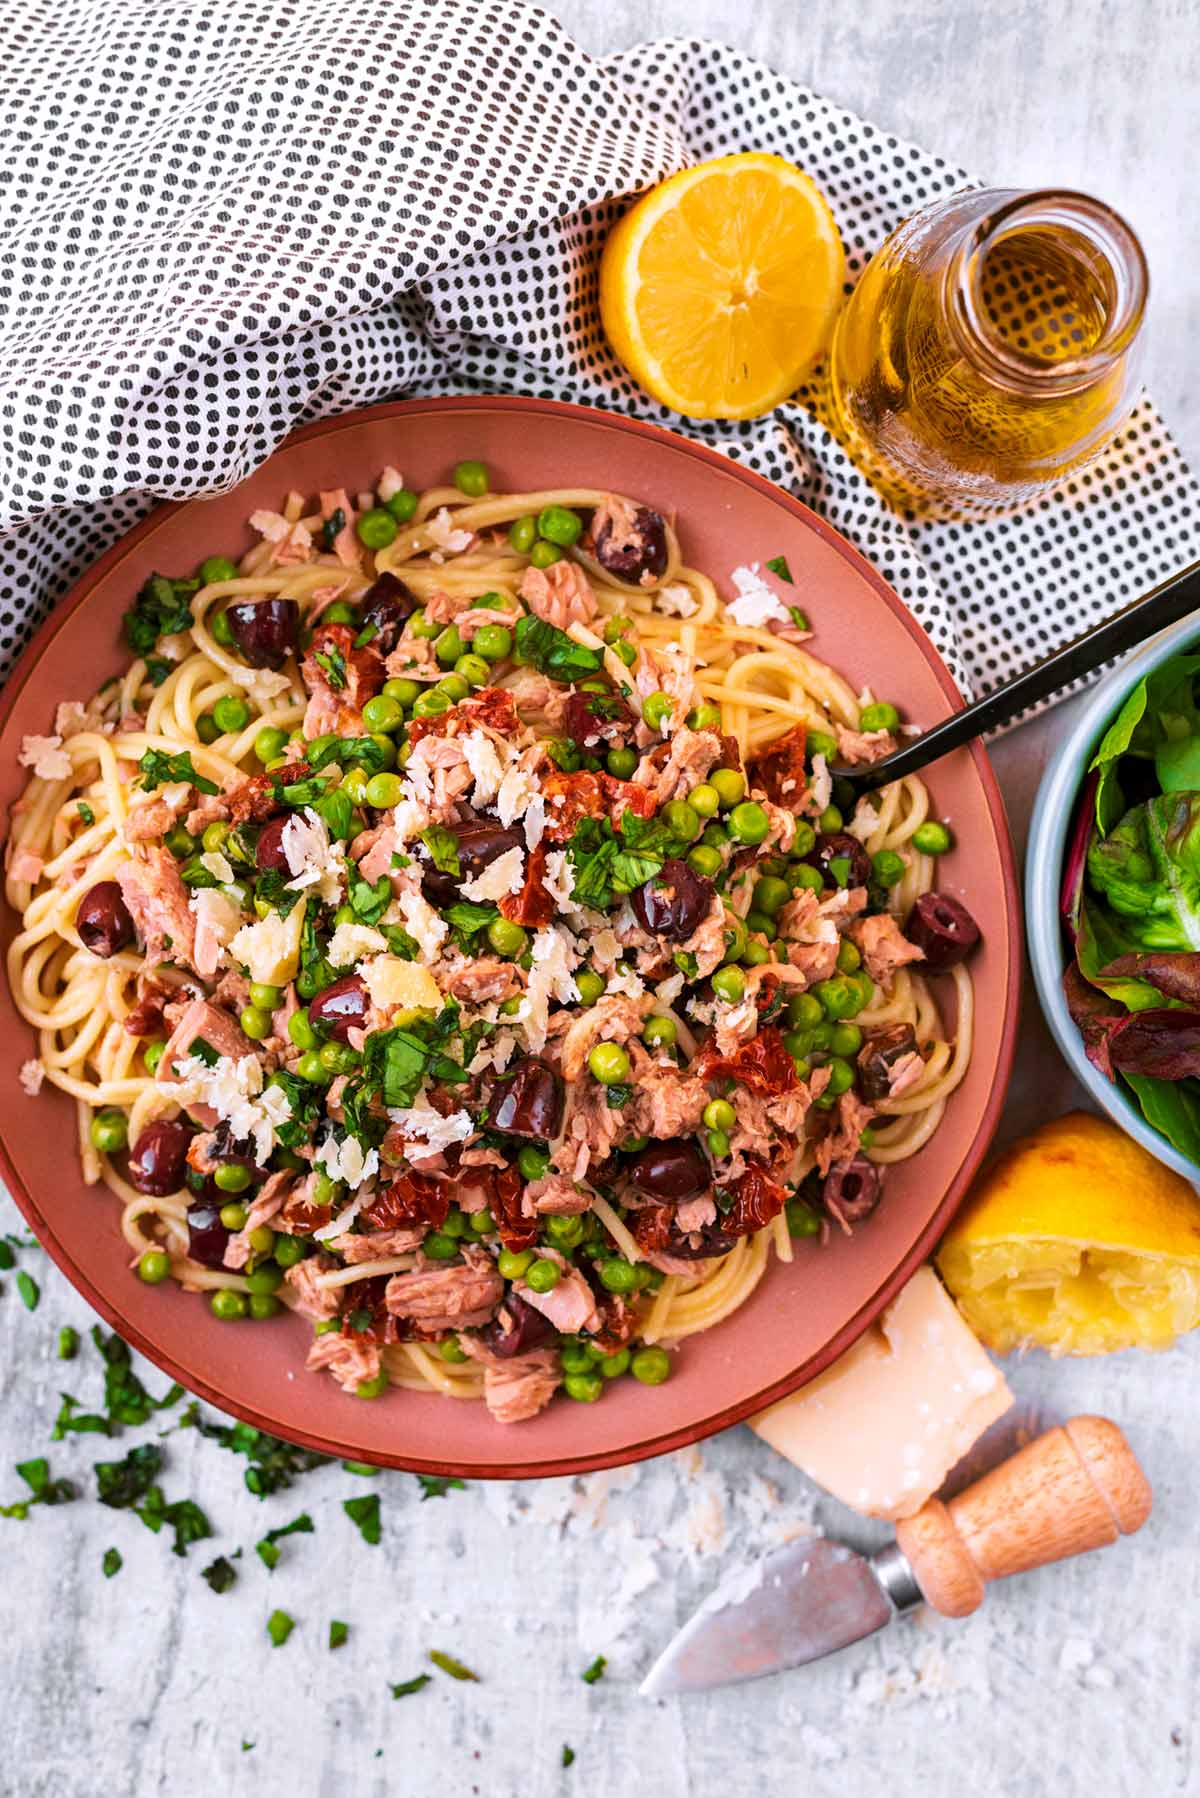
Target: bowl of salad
[[1113, 896]]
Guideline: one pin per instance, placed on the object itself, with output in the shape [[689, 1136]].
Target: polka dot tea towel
[[224, 219]]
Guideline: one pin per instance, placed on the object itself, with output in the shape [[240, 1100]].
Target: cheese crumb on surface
[[820, 785], [345, 1160], [264, 683], [313, 860], [518, 790], [350, 942], [499, 879], [31, 1075], [218, 865], [494, 1053], [677, 601], [555, 954], [443, 532], [71, 717], [558, 880], [270, 949], [235, 1091], [390, 482], [395, 984], [756, 605], [422, 924], [485, 764], [422, 1125], [46, 756]]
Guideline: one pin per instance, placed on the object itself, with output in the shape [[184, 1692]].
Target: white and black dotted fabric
[[224, 219]]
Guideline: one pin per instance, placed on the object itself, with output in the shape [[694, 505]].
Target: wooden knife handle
[[1075, 1488]]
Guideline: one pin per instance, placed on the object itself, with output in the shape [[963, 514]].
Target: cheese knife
[[1075, 1488]]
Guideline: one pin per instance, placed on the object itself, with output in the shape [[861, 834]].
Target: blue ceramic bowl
[[1049, 830]]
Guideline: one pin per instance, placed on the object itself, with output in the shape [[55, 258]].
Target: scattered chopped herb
[[72, 1422], [366, 635], [361, 1467], [333, 524], [617, 1096], [778, 565], [364, 1514], [798, 618], [442, 845], [436, 1485], [596, 1671], [553, 653], [347, 752], [408, 1686], [160, 610], [7, 1259], [449, 1665], [686, 962], [68, 1343], [280, 1627], [336, 812], [184, 1516], [247, 1746], [360, 1319], [338, 1632], [272, 887], [267, 1551], [220, 1574], [157, 768], [273, 1464], [568, 1754], [122, 1483], [468, 920], [44, 1490], [367, 902], [29, 1290], [85, 812], [334, 664], [203, 1051], [112, 1562], [126, 1400], [157, 669]]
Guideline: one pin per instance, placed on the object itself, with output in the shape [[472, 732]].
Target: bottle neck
[[1046, 292]]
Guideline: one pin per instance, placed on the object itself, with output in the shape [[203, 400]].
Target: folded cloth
[[225, 220]]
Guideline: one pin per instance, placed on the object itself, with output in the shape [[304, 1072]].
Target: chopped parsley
[[120, 1484], [158, 768], [220, 1574], [85, 812], [29, 1290], [161, 609], [449, 1665], [267, 1550], [568, 1754], [363, 1468], [591, 1674], [338, 1633], [68, 1343], [273, 1464], [157, 669], [553, 653], [334, 664], [686, 962], [407, 1687], [280, 1627], [442, 845], [436, 1485], [183, 1516], [778, 565], [43, 1489], [364, 1514], [112, 1562]]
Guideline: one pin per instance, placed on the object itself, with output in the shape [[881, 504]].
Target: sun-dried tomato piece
[[731, 754], [298, 1217], [533, 904], [570, 797], [255, 800], [779, 768], [348, 675], [651, 1227], [491, 708], [623, 796], [145, 1017], [410, 1199], [762, 1064], [757, 1199], [365, 1316], [505, 1187]]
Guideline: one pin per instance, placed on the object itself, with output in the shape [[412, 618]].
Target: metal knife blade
[[792, 1606]]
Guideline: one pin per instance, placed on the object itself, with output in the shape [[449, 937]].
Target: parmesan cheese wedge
[[406, 985], [270, 949], [883, 1426]]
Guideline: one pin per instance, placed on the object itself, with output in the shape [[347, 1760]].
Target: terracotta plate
[[802, 1315]]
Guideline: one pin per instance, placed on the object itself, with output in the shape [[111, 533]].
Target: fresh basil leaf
[[161, 609], [553, 653], [442, 845], [364, 1514], [158, 769], [778, 566]]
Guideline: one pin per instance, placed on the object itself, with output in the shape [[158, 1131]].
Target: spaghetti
[[543, 832]]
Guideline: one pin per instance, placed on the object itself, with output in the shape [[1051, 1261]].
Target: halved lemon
[[1079, 1242], [718, 290]]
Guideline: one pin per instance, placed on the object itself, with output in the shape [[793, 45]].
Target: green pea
[[704, 717], [801, 1221], [621, 763], [234, 1215], [449, 1350], [651, 1366], [932, 838], [748, 822], [448, 646], [310, 1067], [626, 652], [270, 743], [803, 876], [376, 529], [830, 821], [715, 835], [584, 1388], [705, 861], [840, 997], [771, 895], [804, 1010], [483, 1223], [289, 1250], [513, 1264], [221, 630], [265, 1279], [493, 642], [340, 612], [300, 1031], [847, 1039], [575, 1358], [609, 1064], [804, 840], [888, 867], [718, 1144], [656, 709], [431, 704], [705, 799], [152, 1054], [255, 1023], [439, 1247], [613, 1366], [454, 686], [522, 534], [227, 1304], [383, 713], [325, 1188], [729, 984], [154, 1266], [231, 714], [109, 1131], [420, 626], [659, 1033], [471, 478], [231, 1176], [543, 1276], [617, 1275], [335, 1058], [755, 954], [207, 728], [841, 1076], [506, 938], [849, 957], [214, 837], [384, 790], [682, 820], [545, 554], [719, 1115], [473, 669], [403, 504], [263, 1305], [217, 568], [590, 986], [372, 1388], [730, 786], [819, 742], [402, 690], [533, 1162], [880, 716], [559, 525], [565, 1233], [762, 925]]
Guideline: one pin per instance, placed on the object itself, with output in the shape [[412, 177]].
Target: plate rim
[[683, 1435]]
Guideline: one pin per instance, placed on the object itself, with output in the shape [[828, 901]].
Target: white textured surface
[[1076, 1681]]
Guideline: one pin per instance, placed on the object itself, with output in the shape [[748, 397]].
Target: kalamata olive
[[207, 1235], [527, 1102], [699, 1245], [480, 843], [673, 903], [852, 1191], [103, 921], [943, 928], [386, 605], [631, 552], [158, 1159], [879, 1055], [526, 1328], [269, 851], [838, 845], [265, 630], [340, 1007], [674, 1169]]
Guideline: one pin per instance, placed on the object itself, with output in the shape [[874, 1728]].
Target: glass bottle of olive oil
[[991, 346]]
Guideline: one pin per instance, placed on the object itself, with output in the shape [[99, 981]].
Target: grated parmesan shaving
[[235, 1091], [677, 601], [756, 605], [46, 756], [345, 1160], [350, 942], [421, 1124], [504, 876], [312, 859], [442, 532]]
